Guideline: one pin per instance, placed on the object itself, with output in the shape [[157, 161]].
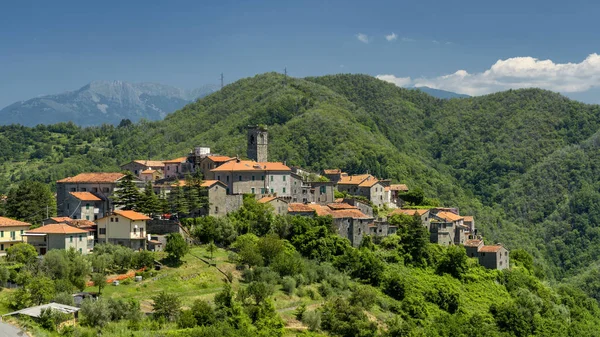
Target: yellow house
[[11, 232], [126, 228]]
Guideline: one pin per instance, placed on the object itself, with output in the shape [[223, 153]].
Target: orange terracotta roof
[[320, 210], [81, 223], [61, 219], [132, 215], [448, 216], [338, 199], [340, 205], [148, 171], [410, 212], [299, 207], [473, 243], [468, 218], [249, 166], [369, 182], [209, 183], [490, 249], [353, 180], [332, 171], [264, 200], [85, 196], [94, 177], [176, 160], [349, 213], [57, 228], [386, 188], [150, 163], [399, 187], [7, 222], [219, 159]]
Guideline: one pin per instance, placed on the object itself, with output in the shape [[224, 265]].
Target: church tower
[[257, 143]]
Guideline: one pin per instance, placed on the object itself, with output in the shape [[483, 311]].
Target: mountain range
[[524, 162], [441, 93], [103, 102]]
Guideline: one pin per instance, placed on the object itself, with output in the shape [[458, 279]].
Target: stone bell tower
[[258, 142]]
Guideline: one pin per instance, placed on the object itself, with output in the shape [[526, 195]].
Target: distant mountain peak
[[440, 93], [103, 101]]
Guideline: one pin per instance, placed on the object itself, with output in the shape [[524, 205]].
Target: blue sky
[[49, 47]]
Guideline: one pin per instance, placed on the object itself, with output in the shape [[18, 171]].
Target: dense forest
[[524, 162]]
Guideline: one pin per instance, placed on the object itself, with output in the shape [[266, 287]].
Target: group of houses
[[87, 215]]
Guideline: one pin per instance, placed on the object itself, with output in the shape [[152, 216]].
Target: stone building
[[217, 195], [206, 164], [258, 141], [491, 257], [98, 184], [259, 178], [280, 206], [176, 168], [138, 166], [364, 185]]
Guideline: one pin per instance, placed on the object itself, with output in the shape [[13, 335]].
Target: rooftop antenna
[[221, 80]]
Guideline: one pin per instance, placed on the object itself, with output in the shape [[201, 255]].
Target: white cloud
[[364, 38], [514, 73], [391, 37], [399, 81]]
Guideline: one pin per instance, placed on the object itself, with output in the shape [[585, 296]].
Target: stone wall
[[162, 226]]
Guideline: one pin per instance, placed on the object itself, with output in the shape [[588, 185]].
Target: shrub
[[289, 285], [312, 319], [166, 305], [363, 296], [186, 319], [64, 298], [325, 289], [300, 310], [95, 313], [204, 313]]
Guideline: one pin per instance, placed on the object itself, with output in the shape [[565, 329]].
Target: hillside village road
[[7, 330]]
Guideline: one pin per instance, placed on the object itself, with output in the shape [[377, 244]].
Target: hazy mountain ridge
[[102, 102]]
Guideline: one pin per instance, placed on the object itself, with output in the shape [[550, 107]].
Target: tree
[[166, 305], [31, 202], [211, 248], [204, 313], [95, 313], [178, 201], [126, 195], [99, 280], [41, 289], [176, 247], [21, 253], [149, 202], [454, 262], [196, 195]]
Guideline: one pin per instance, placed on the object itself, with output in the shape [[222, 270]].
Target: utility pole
[[221, 80]]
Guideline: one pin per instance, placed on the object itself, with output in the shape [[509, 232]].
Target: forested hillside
[[524, 162]]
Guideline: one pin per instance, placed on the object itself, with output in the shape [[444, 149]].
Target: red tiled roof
[[398, 187], [339, 199], [320, 210], [340, 205], [150, 163], [132, 215], [299, 207], [410, 212], [349, 213], [7, 222], [473, 243], [332, 171], [369, 182], [490, 249], [249, 166], [209, 183], [219, 159], [353, 180], [148, 171], [266, 199], [57, 228], [94, 177], [448, 216], [61, 219], [85, 196], [468, 218], [176, 160]]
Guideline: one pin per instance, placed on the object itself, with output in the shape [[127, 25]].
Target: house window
[[83, 189], [112, 219], [117, 219], [21, 232], [87, 206], [271, 178], [87, 217], [1, 246], [283, 178], [322, 189], [262, 191], [252, 190], [136, 172], [272, 191], [227, 178], [95, 189], [219, 178], [216, 209], [284, 190], [134, 230], [80, 238], [12, 235], [252, 178], [239, 178], [227, 190], [102, 231], [1, 234], [80, 251], [73, 189], [71, 238], [105, 189]]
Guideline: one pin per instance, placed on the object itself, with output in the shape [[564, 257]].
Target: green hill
[[522, 161]]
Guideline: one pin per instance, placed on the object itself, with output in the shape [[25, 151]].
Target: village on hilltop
[[86, 213]]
